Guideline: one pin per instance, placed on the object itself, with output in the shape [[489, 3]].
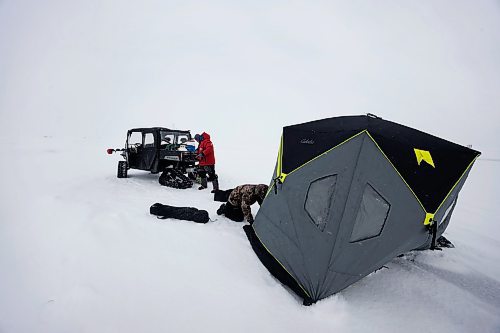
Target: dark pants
[[207, 170], [231, 212]]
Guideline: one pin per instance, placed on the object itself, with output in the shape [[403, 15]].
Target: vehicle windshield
[[176, 138], [167, 138], [182, 138]]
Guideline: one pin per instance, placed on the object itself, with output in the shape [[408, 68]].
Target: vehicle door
[[134, 145], [149, 151]]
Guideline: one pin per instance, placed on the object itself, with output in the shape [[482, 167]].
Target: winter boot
[[215, 184], [203, 183], [221, 210]]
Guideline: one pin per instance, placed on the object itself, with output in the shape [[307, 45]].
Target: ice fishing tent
[[351, 193]]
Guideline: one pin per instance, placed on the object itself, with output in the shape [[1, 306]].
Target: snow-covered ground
[[79, 251]]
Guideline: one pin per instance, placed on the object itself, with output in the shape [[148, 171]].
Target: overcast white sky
[[96, 68]]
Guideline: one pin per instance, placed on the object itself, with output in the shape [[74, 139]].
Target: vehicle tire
[[122, 169]]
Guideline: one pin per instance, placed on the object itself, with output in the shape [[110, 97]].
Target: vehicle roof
[[154, 129]]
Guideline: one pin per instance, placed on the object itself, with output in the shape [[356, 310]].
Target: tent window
[[371, 217], [319, 198]]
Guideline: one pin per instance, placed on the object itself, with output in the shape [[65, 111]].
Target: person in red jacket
[[206, 164]]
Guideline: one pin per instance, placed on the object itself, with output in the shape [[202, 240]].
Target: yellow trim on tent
[[326, 152], [458, 181], [428, 219], [280, 154], [428, 159], [269, 189], [401, 176], [420, 154], [424, 155], [255, 232], [279, 170], [282, 176]]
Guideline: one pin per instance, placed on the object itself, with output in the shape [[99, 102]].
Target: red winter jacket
[[207, 149]]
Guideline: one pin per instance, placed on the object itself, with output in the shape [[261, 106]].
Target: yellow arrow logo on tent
[[424, 155]]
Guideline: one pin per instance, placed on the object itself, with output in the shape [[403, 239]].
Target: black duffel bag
[[179, 213]]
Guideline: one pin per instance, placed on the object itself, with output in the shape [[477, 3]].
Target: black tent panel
[[302, 146], [429, 178], [431, 182]]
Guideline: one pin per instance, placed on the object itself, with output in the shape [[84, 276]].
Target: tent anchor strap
[[433, 229], [277, 181]]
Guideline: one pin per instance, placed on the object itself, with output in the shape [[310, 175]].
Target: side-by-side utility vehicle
[[159, 149]]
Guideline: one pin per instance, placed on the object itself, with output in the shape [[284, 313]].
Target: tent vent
[[371, 217], [448, 211], [319, 198]]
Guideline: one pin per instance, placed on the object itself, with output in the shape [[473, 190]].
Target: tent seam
[[309, 280], [345, 204]]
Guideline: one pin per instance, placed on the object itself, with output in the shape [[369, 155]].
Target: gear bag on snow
[[174, 178], [222, 195], [179, 213]]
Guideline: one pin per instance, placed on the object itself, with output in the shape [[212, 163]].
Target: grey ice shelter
[[348, 195]]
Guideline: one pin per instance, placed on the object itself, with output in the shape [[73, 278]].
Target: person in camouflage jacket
[[246, 195]]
